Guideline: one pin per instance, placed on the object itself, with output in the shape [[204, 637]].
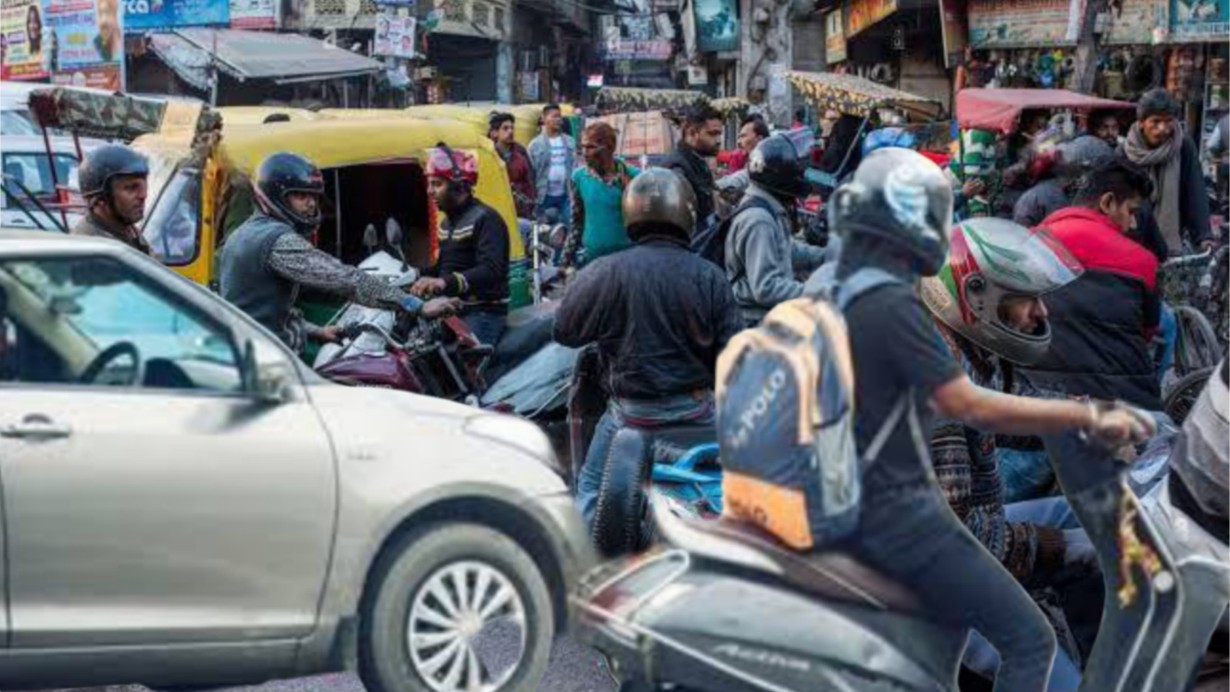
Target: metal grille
[[367, 7], [482, 14], [453, 10], [335, 8]]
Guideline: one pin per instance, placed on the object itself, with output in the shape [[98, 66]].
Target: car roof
[[34, 143], [20, 241]]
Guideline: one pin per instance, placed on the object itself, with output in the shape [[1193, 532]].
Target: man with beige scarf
[[1158, 143]]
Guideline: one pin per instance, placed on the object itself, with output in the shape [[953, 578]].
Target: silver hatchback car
[[184, 503]]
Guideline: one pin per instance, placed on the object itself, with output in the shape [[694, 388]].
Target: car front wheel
[[457, 608]]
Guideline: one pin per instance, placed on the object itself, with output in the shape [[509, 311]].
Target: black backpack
[[710, 241]]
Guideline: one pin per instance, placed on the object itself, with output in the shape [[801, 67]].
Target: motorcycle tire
[[621, 523], [1182, 395]]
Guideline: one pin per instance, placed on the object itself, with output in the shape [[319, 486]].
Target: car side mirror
[[263, 385]]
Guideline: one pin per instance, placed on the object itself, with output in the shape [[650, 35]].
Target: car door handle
[[36, 427]]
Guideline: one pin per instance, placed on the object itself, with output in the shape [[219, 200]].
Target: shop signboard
[[834, 37], [89, 43], [622, 49], [148, 15], [254, 14], [1024, 23], [954, 27], [717, 25], [861, 14], [1134, 21], [27, 52], [394, 36], [1199, 20]]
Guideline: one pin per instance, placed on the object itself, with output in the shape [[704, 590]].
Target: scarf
[[1164, 165]]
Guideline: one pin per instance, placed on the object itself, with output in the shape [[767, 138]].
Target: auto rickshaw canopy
[[999, 110]]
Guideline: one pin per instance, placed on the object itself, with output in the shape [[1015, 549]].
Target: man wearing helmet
[[473, 261], [660, 316], [761, 253], [894, 215], [267, 258], [991, 316], [113, 182]]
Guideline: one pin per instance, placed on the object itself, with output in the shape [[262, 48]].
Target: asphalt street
[[573, 668]]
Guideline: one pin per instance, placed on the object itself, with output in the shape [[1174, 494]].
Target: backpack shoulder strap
[[860, 282]]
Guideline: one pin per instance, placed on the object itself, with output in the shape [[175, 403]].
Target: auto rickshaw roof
[[999, 110], [332, 143], [854, 95], [255, 115]]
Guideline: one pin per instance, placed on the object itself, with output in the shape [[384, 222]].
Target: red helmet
[[450, 164]]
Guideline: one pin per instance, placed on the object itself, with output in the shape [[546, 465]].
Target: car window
[[33, 170], [172, 226], [14, 122], [75, 310]]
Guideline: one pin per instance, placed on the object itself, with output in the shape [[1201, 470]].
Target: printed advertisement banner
[[717, 25], [861, 14], [620, 49], [1199, 20], [27, 53], [1024, 23], [1134, 22], [834, 37], [89, 42], [394, 36], [254, 14], [146, 15]]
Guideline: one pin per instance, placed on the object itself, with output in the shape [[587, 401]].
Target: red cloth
[[521, 177], [939, 159], [734, 160]]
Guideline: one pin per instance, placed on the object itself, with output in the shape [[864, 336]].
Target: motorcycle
[[794, 621]]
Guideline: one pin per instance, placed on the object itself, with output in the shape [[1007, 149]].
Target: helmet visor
[[1025, 262]]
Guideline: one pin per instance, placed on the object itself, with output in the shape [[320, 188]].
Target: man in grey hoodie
[[762, 256]]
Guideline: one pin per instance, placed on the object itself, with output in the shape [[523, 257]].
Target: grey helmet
[[659, 198], [1081, 156], [104, 164], [991, 260], [899, 196]]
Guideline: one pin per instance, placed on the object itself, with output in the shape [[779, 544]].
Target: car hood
[[402, 436]]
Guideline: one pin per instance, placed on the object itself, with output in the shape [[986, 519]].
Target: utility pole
[[1087, 46]]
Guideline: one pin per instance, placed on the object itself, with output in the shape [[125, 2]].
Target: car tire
[[403, 596]]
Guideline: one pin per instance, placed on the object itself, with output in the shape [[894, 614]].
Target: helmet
[[107, 162], [992, 259], [456, 166], [900, 196], [281, 174], [888, 137], [661, 197], [1082, 155], [774, 165]]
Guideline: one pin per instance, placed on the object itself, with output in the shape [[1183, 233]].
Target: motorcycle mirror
[[393, 234], [370, 239]]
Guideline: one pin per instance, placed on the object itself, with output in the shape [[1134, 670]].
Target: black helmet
[[1082, 155], [283, 173], [774, 165], [105, 163], [902, 197], [656, 199]]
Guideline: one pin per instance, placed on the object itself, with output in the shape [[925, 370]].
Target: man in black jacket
[[659, 314], [473, 262], [1158, 144], [702, 138]]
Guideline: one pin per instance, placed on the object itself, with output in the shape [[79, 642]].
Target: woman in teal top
[[597, 198]]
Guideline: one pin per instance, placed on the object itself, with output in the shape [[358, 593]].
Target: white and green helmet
[[989, 260]]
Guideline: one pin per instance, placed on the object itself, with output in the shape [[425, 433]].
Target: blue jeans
[[912, 535], [1027, 474], [558, 202], [982, 658], [1169, 327], [622, 413], [487, 326]]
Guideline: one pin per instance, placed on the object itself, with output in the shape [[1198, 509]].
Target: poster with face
[[1199, 19], [26, 39], [89, 42], [395, 36]]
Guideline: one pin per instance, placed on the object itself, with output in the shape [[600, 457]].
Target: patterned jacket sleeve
[[576, 224]]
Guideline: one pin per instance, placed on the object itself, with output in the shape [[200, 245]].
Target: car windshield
[[106, 307], [33, 170], [172, 225], [15, 122]]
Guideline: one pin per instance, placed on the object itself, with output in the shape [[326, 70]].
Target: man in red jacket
[[1104, 321]]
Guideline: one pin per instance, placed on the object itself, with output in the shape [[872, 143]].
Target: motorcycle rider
[[473, 261], [268, 257], [113, 180], [992, 317], [761, 252], [659, 314], [894, 214]]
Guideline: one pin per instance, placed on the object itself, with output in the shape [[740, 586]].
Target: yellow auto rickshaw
[[372, 170]]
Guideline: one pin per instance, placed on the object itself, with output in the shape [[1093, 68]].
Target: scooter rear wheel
[[622, 520]]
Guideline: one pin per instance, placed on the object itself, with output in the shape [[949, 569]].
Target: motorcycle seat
[[829, 574]]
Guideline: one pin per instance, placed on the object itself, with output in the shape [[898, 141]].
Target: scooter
[[722, 607]]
